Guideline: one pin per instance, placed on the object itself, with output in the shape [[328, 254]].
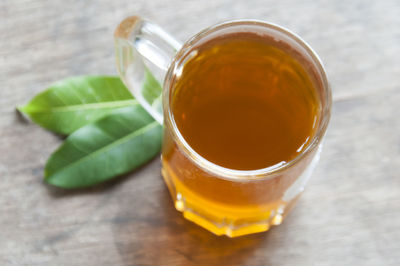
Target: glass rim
[[215, 169]]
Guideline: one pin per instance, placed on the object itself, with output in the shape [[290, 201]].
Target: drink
[[242, 103]]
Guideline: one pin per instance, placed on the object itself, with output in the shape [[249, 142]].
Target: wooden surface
[[349, 214]]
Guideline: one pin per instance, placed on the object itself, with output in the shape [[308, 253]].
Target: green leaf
[[151, 88], [152, 91], [74, 102], [113, 145]]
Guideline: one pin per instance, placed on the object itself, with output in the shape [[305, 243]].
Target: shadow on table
[[147, 230], [164, 237]]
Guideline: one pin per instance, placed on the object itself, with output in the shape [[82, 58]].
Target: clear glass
[[222, 200]]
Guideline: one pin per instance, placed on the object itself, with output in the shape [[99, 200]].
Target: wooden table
[[349, 214]]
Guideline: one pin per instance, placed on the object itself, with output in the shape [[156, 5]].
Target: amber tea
[[242, 103]]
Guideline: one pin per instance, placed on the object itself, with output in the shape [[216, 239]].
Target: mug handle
[[144, 52]]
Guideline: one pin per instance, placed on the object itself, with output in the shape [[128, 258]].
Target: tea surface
[[244, 104]]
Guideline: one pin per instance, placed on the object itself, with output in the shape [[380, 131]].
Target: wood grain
[[349, 214]]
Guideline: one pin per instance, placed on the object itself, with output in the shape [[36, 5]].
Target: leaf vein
[[87, 106]]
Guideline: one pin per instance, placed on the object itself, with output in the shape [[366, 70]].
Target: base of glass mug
[[217, 223]]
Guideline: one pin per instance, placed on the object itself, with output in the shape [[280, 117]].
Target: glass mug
[[229, 61]]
